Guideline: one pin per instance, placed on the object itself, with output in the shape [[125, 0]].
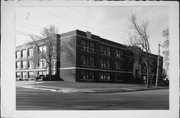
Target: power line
[[39, 27], [28, 27], [23, 33], [66, 19]]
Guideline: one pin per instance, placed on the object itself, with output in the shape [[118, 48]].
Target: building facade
[[31, 60], [82, 56]]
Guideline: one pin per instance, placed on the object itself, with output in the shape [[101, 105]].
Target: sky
[[108, 22]]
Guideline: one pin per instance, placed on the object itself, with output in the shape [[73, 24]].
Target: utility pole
[[157, 70]]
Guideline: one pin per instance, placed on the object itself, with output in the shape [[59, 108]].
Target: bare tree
[[49, 39], [165, 45], [139, 40]]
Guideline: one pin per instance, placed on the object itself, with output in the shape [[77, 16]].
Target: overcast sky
[[107, 22]]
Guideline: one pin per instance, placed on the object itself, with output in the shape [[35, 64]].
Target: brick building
[[82, 56]]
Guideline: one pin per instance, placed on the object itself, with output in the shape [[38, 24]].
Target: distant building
[[82, 56]]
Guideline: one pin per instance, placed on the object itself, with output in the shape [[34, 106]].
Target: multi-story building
[[82, 56], [31, 60]]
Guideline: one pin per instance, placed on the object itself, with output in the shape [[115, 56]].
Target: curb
[[74, 90], [61, 90], [116, 91]]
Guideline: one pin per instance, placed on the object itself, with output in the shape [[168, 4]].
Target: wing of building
[[82, 56]]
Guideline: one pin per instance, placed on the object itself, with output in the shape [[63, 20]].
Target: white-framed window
[[30, 52], [42, 62], [54, 65], [40, 73], [18, 54], [42, 49], [30, 74], [18, 65], [24, 53], [24, 64], [18, 75], [24, 74], [44, 73], [30, 63]]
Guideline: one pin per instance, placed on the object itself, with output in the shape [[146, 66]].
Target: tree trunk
[[147, 83], [50, 72]]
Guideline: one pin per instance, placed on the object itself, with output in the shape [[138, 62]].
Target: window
[[108, 51], [105, 50], [83, 60], [24, 53], [91, 61], [101, 49], [104, 76], [83, 45], [42, 63], [53, 72], [121, 65], [44, 73], [24, 64], [87, 46], [108, 76], [18, 65], [119, 53], [91, 75], [92, 46], [18, 75], [101, 63], [108, 64], [18, 54], [30, 74], [87, 75], [83, 75], [54, 65], [24, 74], [105, 63], [40, 73], [87, 60], [30, 52], [30, 63], [118, 65], [42, 49], [54, 49], [101, 76]]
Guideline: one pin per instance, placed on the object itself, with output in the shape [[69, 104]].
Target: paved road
[[32, 99]]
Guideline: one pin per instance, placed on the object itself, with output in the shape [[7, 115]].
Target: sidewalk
[[84, 87]]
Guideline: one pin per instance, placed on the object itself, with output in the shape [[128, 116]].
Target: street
[[33, 99]]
